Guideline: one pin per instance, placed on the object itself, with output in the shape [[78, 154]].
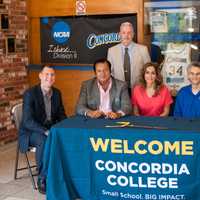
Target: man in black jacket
[[42, 108]]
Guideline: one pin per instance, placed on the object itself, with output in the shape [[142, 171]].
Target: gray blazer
[[139, 57], [89, 98]]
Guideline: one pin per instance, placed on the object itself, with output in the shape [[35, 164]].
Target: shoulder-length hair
[[159, 78]]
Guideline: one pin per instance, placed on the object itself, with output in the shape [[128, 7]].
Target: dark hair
[[159, 78], [43, 66], [194, 64], [102, 60]]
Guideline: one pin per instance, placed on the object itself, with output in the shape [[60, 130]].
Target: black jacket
[[34, 115]]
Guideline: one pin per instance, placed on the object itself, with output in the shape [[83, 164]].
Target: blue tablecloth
[[129, 158]]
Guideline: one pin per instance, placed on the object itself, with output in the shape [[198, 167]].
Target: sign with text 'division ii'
[[81, 40]]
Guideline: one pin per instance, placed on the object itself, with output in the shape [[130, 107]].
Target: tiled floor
[[10, 189]]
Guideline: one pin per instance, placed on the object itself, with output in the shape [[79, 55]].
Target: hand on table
[[113, 115], [95, 113]]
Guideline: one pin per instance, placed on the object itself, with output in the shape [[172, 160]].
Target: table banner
[[123, 163]]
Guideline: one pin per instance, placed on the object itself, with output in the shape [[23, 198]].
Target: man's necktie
[[127, 67]]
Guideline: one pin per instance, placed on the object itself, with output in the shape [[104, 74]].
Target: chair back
[[17, 114]]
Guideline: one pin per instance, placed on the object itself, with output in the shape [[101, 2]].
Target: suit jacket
[[89, 98], [139, 57], [34, 115]]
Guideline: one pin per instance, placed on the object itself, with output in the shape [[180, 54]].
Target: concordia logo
[[61, 32], [98, 40]]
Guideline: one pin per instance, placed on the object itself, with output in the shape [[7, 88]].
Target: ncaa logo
[[61, 32]]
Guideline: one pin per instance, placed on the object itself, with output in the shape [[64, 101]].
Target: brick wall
[[13, 75]]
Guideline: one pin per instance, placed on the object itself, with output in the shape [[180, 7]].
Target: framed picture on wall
[[158, 22], [10, 45], [4, 21]]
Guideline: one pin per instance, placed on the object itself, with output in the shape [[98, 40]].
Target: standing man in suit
[[103, 96], [42, 108], [128, 57]]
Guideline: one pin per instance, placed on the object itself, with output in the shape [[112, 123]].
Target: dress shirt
[[105, 98]]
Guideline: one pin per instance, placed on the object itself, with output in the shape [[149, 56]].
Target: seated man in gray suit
[[103, 96], [128, 57]]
